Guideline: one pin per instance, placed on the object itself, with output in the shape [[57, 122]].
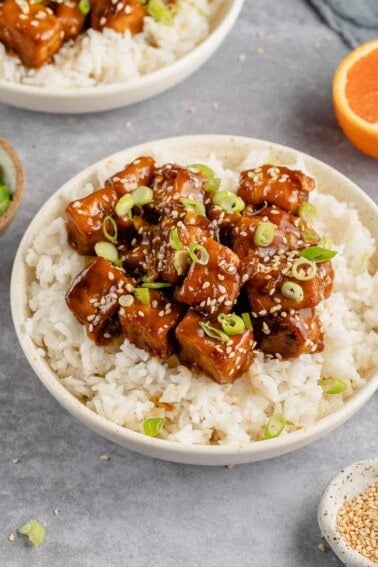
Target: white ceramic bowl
[[232, 151], [106, 97], [348, 484], [13, 172]]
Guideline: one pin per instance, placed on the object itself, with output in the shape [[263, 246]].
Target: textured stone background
[[131, 510]]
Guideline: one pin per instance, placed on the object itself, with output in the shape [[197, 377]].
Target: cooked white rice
[[100, 58], [121, 384]]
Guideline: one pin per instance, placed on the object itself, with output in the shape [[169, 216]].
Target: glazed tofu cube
[[222, 361], [225, 222], [214, 287], [286, 188], [172, 184], [287, 235], [151, 327], [85, 218], [70, 18], [138, 172], [121, 16], [193, 228], [93, 298], [289, 336], [264, 289], [33, 32]]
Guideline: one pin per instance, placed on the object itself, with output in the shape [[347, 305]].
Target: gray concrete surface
[[131, 510]]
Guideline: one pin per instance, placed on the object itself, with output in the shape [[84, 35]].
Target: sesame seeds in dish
[[128, 386]]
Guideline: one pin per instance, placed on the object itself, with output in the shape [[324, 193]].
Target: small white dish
[[13, 172], [107, 97], [346, 485], [232, 150]]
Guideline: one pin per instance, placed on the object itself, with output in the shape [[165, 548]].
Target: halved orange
[[355, 97]]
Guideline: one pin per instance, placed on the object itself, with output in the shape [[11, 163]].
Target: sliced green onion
[[212, 185], [204, 169], [142, 195], [160, 12], [332, 385], [112, 237], [198, 253], [126, 300], [264, 234], [107, 250], [156, 285], [309, 235], [143, 295], [34, 531], [84, 7], [326, 242], [303, 269], [124, 205], [247, 320], [307, 211], [181, 261], [228, 201], [213, 332], [153, 425], [231, 324], [174, 240], [293, 291], [193, 205], [317, 254], [275, 426]]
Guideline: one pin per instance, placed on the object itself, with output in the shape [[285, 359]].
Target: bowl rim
[[327, 513], [18, 193], [200, 52], [166, 449]]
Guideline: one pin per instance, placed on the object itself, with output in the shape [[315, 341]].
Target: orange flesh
[[362, 87]]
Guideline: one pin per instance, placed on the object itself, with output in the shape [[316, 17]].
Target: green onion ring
[[111, 237], [124, 205], [206, 171], [153, 425], [156, 285], [126, 300], [264, 234], [142, 294], [34, 531], [293, 291], [228, 201], [212, 185], [332, 386], [194, 249], [275, 426], [231, 324], [181, 261], [193, 205], [214, 333], [142, 195], [107, 250], [84, 7], [303, 269], [307, 211], [174, 239]]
